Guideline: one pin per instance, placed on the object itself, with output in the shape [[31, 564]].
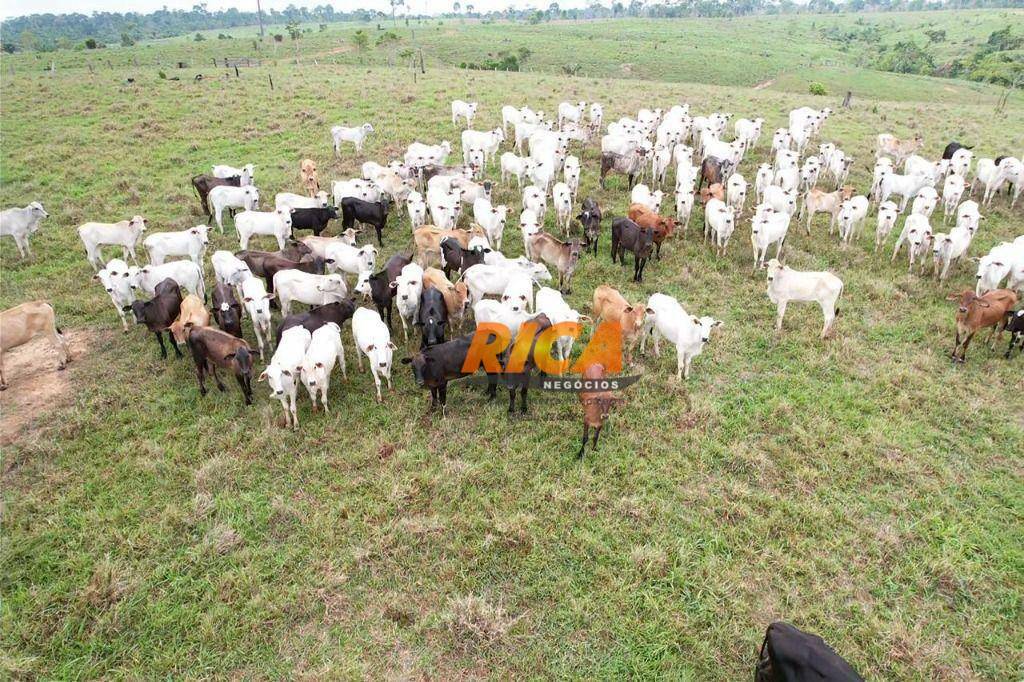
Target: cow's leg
[[3, 380], [597, 433], [781, 313], [828, 310], [963, 348], [216, 377], [200, 376], [586, 434], [163, 349]]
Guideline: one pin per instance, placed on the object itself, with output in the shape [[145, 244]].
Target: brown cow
[[22, 322], [212, 348], [456, 296], [820, 201], [714, 191], [563, 256], [890, 145], [610, 305], [193, 314], [977, 312], [428, 240], [307, 171], [597, 405], [662, 226]]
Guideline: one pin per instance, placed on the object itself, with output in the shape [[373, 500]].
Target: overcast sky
[[13, 8]]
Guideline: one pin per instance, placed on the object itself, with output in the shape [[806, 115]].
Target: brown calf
[[597, 405], [428, 240], [714, 191], [455, 295], [662, 226], [563, 256], [193, 314], [307, 171], [22, 322], [610, 305], [212, 348], [978, 312], [819, 201]]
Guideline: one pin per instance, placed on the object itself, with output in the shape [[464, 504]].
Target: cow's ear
[[392, 346], [320, 365], [262, 376], [286, 372], [370, 347], [695, 320]]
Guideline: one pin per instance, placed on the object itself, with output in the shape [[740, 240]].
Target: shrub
[[816, 88], [200, 37]]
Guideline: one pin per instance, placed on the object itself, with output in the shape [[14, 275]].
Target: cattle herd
[[455, 273]]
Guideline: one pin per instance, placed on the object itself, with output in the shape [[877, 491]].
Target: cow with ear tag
[[324, 350], [283, 372], [373, 339]]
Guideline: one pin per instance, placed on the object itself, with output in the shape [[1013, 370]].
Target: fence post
[[271, 79]]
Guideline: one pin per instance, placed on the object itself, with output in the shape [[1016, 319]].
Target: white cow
[[952, 189], [116, 280], [765, 178], [245, 173], [292, 200], [551, 303], [323, 352], [768, 228], [418, 155], [125, 234], [1010, 170], [918, 235], [1003, 261], [483, 279], [642, 194], [417, 209], [492, 218], [561, 199], [719, 223], [304, 287], [466, 110], [786, 284], [21, 223], [186, 273], [284, 370], [256, 301], [536, 200], [350, 259], [277, 224], [852, 214], [488, 141], [888, 212], [748, 131], [224, 196], [571, 171], [907, 186], [948, 249], [529, 224], [519, 166], [665, 317], [374, 341], [967, 215], [736, 192], [190, 243], [355, 135]]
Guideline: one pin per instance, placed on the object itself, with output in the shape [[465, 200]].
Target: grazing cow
[[354, 135], [355, 188], [610, 305], [227, 311], [629, 164], [290, 200], [888, 212], [786, 284], [1015, 325], [366, 212], [229, 269], [193, 314], [419, 155], [21, 223], [266, 264], [628, 236], [643, 195], [203, 184], [428, 240], [316, 317], [311, 289], [918, 235], [308, 176], [597, 407], [125, 234], [788, 653], [21, 323], [662, 226], [719, 224], [897, 149], [990, 310], [317, 364], [318, 245], [116, 280], [283, 372], [246, 172], [315, 219], [257, 305], [185, 273], [212, 348], [466, 110], [222, 197], [160, 312], [191, 243], [373, 339], [820, 201], [952, 148], [456, 296], [590, 218], [766, 229], [382, 285], [431, 316], [435, 365], [563, 256], [666, 318]]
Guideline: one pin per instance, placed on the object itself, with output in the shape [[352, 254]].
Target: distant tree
[[90, 44], [361, 40], [126, 40], [936, 36], [456, 8], [524, 53], [469, 10], [395, 4], [28, 41], [199, 37], [8, 48]]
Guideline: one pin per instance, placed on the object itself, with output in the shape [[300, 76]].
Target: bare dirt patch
[[35, 385], [765, 84]]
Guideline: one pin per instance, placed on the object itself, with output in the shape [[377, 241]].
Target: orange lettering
[[490, 339]]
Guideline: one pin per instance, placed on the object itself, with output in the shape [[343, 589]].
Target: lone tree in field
[[360, 40], [395, 4]]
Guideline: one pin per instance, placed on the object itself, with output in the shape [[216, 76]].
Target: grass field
[[863, 488]]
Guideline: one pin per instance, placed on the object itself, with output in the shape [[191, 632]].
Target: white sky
[[13, 8]]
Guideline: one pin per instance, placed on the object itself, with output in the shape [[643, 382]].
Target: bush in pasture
[[816, 88]]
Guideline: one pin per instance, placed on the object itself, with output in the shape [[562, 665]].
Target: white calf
[[354, 135], [246, 172], [918, 235], [719, 223], [125, 234], [466, 110], [736, 192], [223, 196], [186, 273], [324, 351], [492, 218], [888, 212], [21, 223], [666, 318], [283, 371], [277, 224], [304, 287], [766, 229], [374, 341], [257, 305], [116, 280], [952, 189], [786, 284], [408, 287], [765, 178], [291, 200], [190, 243], [417, 209]]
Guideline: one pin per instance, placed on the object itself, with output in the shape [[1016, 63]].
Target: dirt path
[[765, 84]]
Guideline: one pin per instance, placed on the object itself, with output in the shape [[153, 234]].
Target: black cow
[[227, 311], [521, 380], [314, 318], [211, 349], [432, 317], [315, 219], [628, 236], [434, 366], [590, 218], [373, 213], [788, 653], [1015, 325], [455, 257], [202, 184], [952, 148], [159, 312], [714, 170], [383, 284]]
